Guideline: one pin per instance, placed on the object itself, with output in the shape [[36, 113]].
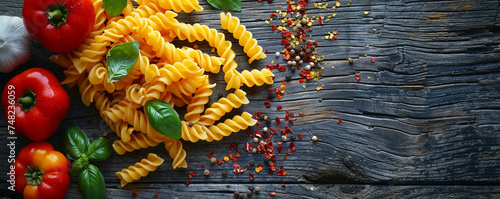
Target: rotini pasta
[[162, 72], [140, 169], [251, 46], [137, 141]]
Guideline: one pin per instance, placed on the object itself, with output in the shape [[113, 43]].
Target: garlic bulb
[[15, 43]]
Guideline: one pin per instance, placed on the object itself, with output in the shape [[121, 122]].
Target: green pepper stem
[[57, 14], [27, 100], [34, 175]]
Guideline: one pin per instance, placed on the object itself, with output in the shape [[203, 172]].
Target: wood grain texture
[[422, 122]]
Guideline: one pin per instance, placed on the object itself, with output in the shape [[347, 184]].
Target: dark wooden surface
[[425, 124]]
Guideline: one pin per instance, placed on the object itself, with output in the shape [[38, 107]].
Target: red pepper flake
[[265, 51], [195, 47], [272, 194], [320, 21], [187, 183], [249, 133], [300, 136], [373, 60], [283, 186], [286, 33], [301, 114], [291, 145], [258, 134], [251, 176], [281, 172], [286, 156], [294, 148], [134, 195], [334, 37], [251, 90], [219, 162], [272, 130], [279, 108], [301, 80], [192, 173], [358, 78], [211, 155], [339, 121], [190, 177], [236, 166], [280, 148], [202, 166], [157, 195], [289, 22], [268, 105], [213, 174], [258, 124], [238, 155], [274, 27], [233, 145], [278, 122], [285, 42], [273, 15], [309, 30]]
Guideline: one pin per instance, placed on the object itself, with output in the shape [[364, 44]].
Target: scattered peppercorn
[[220, 95], [314, 138], [257, 189], [255, 140], [252, 162], [242, 195], [251, 188], [283, 138], [350, 60], [254, 150], [236, 194], [292, 137], [213, 160], [249, 192], [206, 172], [224, 174], [190, 124], [288, 77], [265, 129]]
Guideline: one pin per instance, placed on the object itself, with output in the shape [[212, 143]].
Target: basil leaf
[[75, 142], [78, 165], [231, 5], [164, 119], [99, 150], [114, 7], [91, 183], [121, 59]]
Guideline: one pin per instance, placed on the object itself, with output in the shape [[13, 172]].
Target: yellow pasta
[[223, 106], [140, 169], [251, 46], [176, 5], [176, 152], [197, 105], [197, 131], [162, 72], [137, 141]]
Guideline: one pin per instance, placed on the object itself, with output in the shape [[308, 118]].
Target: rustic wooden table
[[423, 121]]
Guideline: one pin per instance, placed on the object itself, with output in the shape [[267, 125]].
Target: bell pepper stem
[[27, 100], [34, 175], [57, 14]]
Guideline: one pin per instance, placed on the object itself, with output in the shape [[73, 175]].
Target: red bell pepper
[[41, 172], [39, 103], [59, 25]]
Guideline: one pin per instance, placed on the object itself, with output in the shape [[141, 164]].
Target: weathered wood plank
[[426, 112]]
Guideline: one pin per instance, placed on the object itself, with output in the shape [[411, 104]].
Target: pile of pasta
[[163, 72]]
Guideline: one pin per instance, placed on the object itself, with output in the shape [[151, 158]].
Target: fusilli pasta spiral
[[140, 169]]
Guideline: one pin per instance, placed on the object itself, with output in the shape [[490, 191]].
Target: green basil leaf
[[114, 7], [164, 119], [79, 165], [75, 142], [99, 150], [91, 183], [231, 5], [121, 59]]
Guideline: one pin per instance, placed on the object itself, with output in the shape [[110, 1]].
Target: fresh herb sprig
[[79, 149]]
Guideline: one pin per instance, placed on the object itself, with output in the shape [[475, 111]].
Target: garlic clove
[[15, 43]]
